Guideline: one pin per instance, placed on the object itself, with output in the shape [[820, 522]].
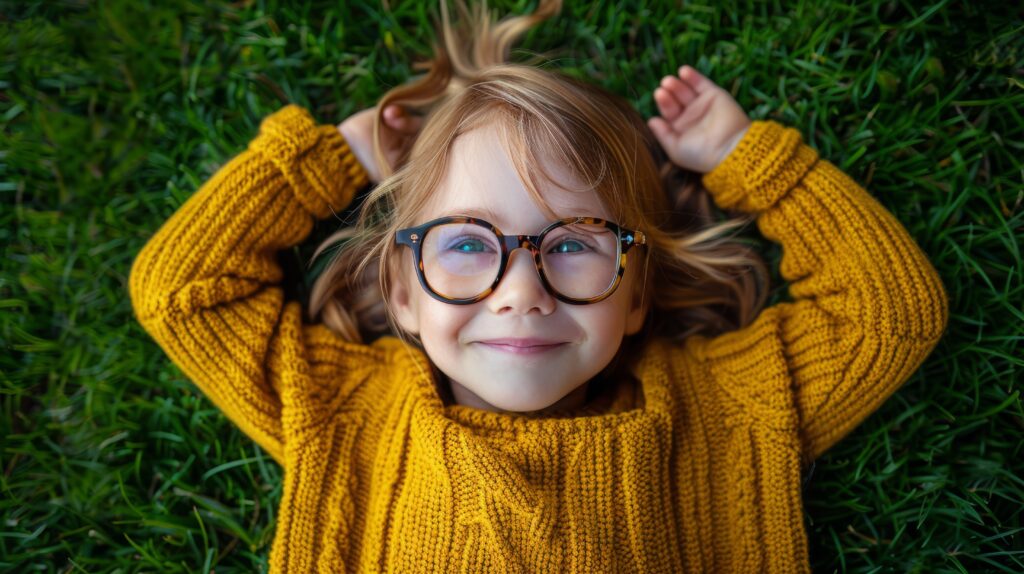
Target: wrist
[[768, 161], [731, 144]]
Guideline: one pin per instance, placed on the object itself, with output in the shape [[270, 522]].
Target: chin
[[520, 404]]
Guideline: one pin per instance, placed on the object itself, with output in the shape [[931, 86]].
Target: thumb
[[401, 121], [661, 130]]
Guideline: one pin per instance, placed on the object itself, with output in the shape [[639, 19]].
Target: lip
[[525, 346]]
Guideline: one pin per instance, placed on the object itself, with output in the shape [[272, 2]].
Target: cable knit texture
[[694, 468]]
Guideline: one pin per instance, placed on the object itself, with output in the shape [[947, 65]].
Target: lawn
[[114, 112]]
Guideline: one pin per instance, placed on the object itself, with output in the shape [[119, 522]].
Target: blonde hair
[[697, 278]]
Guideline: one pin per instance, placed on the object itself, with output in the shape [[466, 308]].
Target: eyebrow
[[485, 214]]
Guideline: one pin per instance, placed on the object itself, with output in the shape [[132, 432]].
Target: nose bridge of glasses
[[531, 266], [530, 243]]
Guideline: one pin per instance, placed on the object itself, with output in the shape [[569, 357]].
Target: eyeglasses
[[461, 260]]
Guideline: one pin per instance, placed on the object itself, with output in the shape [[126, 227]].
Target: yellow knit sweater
[[698, 472]]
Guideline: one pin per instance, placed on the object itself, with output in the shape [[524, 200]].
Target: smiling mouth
[[522, 346]]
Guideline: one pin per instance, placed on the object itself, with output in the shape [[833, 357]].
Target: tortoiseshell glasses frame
[[413, 237]]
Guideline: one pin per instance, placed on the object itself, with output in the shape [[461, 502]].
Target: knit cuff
[[316, 160], [768, 162]]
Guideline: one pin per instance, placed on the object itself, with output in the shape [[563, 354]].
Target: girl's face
[[480, 346]]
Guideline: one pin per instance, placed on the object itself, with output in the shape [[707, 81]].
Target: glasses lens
[[580, 261], [460, 260]]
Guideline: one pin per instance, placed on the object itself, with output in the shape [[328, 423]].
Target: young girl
[[581, 380]]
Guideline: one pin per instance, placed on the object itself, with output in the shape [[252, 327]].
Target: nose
[[520, 291]]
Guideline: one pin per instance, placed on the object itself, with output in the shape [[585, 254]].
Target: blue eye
[[470, 245], [568, 246]]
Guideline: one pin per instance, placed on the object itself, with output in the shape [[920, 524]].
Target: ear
[[402, 303], [640, 301], [637, 314]]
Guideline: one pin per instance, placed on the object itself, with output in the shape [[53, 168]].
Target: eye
[[470, 245], [568, 246]]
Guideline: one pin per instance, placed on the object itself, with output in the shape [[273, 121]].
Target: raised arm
[[207, 285], [868, 307]]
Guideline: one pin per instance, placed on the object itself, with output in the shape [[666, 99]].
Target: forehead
[[481, 181]]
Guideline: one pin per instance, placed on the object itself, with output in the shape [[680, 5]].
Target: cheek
[[608, 324], [604, 322], [440, 323]]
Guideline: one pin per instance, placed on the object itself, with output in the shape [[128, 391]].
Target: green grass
[[114, 112]]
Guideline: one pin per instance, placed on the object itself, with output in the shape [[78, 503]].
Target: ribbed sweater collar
[[535, 485]]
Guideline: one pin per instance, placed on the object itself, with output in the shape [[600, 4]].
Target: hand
[[700, 122], [397, 133]]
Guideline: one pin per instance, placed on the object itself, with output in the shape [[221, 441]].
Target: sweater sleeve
[[207, 285], [867, 308]]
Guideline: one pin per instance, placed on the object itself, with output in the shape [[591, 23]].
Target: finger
[[411, 124], [679, 89], [398, 119], [694, 79], [393, 116], [661, 129], [667, 104]]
